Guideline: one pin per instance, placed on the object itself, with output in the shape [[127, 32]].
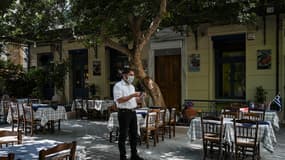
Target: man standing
[[126, 97]]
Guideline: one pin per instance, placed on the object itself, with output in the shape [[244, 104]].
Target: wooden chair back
[[260, 111], [172, 121], [10, 138], [30, 122], [212, 135], [57, 152], [10, 156], [15, 115], [255, 116], [161, 123], [246, 142], [231, 114], [151, 127]]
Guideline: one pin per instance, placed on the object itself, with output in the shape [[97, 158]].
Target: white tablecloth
[[113, 122], [265, 133], [45, 114], [30, 149], [99, 105]]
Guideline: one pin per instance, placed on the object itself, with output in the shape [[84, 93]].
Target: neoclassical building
[[217, 62]]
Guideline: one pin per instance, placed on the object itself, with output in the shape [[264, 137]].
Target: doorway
[[230, 66], [79, 66], [118, 62], [168, 75], [44, 61]]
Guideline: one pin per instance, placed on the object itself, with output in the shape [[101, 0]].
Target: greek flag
[[277, 102]]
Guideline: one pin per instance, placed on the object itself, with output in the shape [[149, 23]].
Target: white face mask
[[130, 79]]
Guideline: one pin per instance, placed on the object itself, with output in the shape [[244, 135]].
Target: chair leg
[[147, 139], [110, 136], [169, 131], [173, 130]]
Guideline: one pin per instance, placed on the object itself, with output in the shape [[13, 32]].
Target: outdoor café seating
[[56, 151], [8, 138], [212, 135], [246, 139], [30, 122], [150, 129], [46, 115], [266, 134], [92, 108], [43, 148]]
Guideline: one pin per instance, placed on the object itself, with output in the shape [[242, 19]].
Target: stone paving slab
[[93, 135]]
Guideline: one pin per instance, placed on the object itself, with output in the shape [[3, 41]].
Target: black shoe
[[123, 158], [136, 157]]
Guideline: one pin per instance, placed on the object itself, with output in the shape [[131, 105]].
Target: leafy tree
[[116, 23]]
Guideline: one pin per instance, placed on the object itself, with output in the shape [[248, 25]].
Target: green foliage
[[111, 18], [57, 73], [17, 83], [31, 19], [260, 95]]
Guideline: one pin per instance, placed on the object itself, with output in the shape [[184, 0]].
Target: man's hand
[[136, 94]]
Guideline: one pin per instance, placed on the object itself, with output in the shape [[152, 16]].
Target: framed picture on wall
[[264, 59], [194, 63], [97, 68]]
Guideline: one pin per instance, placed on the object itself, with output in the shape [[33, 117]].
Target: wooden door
[[168, 77], [79, 64]]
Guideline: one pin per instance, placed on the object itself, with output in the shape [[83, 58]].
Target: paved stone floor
[[93, 137]]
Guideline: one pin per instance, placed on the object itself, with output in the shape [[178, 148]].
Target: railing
[[213, 105]]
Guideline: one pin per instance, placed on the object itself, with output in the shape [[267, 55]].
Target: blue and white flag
[[277, 102]]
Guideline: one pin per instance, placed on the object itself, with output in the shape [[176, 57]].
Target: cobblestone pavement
[[93, 137]]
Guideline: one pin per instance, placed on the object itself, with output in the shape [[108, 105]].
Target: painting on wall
[[194, 63], [96, 68], [264, 59]]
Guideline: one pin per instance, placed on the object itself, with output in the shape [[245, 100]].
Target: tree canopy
[[32, 19], [124, 25]]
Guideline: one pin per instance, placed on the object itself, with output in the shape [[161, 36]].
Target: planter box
[[71, 115]]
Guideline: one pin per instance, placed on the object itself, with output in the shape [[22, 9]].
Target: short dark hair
[[126, 70]]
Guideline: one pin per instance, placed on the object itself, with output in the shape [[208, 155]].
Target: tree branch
[[155, 23], [115, 45]]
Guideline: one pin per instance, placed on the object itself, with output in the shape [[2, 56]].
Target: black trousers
[[127, 126]]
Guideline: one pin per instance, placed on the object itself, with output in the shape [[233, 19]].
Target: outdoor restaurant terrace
[[93, 125]]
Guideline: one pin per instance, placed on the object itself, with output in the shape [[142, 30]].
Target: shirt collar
[[124, 82]]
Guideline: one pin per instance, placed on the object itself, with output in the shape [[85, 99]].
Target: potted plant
[[260, 96], [57, 74]]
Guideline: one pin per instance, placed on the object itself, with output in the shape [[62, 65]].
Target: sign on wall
[[264, 59], [96, 67], [194, 63]]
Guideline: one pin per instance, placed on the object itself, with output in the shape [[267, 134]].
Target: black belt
[[126, 110]]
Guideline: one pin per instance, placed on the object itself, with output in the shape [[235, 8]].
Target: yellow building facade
[[207, 61]]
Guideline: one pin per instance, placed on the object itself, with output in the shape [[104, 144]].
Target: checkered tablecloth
[[266, 133], [99, 105], [113, 122], [45, 114]]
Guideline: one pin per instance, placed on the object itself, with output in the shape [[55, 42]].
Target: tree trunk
[[149, 85]]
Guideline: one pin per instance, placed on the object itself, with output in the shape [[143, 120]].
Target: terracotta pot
[[190, 113]]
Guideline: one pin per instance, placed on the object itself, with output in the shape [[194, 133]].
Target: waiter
[[126, 98]]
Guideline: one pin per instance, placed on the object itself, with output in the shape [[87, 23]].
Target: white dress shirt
[[122, 89]]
